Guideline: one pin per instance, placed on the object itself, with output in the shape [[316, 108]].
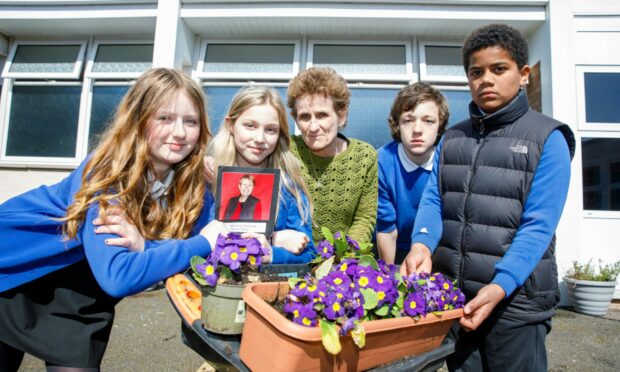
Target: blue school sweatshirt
[[541, 214], [401, 183], [32, 244]]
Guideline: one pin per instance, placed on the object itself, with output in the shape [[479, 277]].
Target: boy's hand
[[116, 222], [478, 309], [418, 259]]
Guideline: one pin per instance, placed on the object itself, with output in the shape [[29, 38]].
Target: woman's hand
[[291, 240], [209, 171], [116, 222], [263, 242], [212, 231]]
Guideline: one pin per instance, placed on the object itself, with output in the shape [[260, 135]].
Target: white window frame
[[581, 70], [409, 73], [46, 161], [593, 213], [425, 76], [75, 74], [111, 75], [198, 73]]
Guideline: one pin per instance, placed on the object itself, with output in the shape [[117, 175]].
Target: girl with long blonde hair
[[255, 134], [68, 256]]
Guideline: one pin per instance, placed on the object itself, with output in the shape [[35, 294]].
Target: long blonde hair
[[224, 151], [117, 171]]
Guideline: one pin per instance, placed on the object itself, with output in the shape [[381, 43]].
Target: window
[[601, 173], [441, 62], [272, 60], [369, 62], [38, 60], [598, 89], [54, 108]]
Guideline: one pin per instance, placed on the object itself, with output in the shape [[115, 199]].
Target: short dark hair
[[411, 96], [499, 35]]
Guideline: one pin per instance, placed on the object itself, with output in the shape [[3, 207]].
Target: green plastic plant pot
[[223, 309]]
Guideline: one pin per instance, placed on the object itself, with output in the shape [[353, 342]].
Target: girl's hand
[[116, 222], [212, 231], [209, 171], [263, 242], [291, 240]]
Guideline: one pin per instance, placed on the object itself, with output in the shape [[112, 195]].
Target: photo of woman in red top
[[244, 206]]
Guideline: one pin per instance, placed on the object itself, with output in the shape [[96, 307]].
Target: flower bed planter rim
[[303, 333]]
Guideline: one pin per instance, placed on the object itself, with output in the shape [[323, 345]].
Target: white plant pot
[[590, 297]]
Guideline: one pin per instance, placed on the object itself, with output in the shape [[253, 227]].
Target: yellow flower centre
[[432, 278], [339, 295], [381, 295], [363, 282], [243, 249], [210, 270], [338, 281], [343, 267], [234, 256], [325, 250], [311, 288], [455, 298], [412, 305], [296, 313], [322, 294], [336, 306], [252, 260], [306, 321], [379, 279], [446, 286], [302, 285]]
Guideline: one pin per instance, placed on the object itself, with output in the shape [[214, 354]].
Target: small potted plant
[[233, 262], [590, 292], [349, 293]]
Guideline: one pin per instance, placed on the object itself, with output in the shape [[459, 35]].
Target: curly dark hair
[[500, 35], [409, 98]]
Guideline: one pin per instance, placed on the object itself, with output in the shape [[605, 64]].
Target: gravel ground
[[146, 337]]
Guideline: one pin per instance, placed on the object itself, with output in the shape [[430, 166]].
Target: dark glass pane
[[591, 176], [45, 58], [368, 113], [43, 121], [218, 102], [105, 101], [123, 58], [249, 58], [602, 91], [601, 173], [458, 105], [592, 200], [614, 172]]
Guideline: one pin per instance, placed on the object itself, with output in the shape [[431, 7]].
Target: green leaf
[[199, 279], [365, 248], [383, 310], [358, 334], [400, 301], [341, 247], [329, 337], [225, 273], [293, 281], [395, 311], [327, 234], [371, 299], [324, 269], [368, 260]]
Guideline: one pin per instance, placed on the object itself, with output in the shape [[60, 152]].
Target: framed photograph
[[246, 198]]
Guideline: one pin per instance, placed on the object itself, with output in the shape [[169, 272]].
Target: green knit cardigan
[[343, 188]]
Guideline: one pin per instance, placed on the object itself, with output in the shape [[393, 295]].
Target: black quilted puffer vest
[[487, 164]]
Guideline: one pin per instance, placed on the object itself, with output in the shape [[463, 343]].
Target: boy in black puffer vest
[[490, 209]]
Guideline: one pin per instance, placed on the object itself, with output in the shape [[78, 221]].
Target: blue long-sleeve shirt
[[539, 220], [32, 244], [401, 184]]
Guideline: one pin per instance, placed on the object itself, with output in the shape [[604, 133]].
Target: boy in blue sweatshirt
[[490, 209], [418, 118]]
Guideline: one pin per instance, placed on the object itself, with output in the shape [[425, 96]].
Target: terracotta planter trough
[[271, 342]]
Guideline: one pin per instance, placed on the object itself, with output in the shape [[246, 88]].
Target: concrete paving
[[146, 337]]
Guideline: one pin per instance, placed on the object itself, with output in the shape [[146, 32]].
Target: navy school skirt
[[63, 318]]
